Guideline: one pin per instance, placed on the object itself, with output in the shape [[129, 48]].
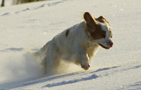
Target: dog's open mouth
[[104, 46]]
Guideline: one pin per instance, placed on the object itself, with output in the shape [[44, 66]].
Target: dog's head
[[99, 30]]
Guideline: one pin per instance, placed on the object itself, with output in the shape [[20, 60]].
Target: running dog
[[77, 44]]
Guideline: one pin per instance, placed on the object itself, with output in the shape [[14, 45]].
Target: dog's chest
[[90, 49]]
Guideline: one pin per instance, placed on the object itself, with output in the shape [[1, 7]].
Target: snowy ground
[[30, 26]]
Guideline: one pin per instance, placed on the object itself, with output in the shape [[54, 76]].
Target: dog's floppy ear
[[102, 17], [91, 22]]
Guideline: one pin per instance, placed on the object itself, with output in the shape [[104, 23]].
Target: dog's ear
[[91, 22], [89, 19], [101, 17]]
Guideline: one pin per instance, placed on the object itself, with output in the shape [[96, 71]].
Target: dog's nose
[[110, 44]]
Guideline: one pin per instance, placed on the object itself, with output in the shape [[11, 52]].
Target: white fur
[[77, 47]]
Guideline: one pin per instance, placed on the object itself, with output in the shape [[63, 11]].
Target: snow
[[30, 26]]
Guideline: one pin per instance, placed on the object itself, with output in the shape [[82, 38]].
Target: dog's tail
[[42, 50]]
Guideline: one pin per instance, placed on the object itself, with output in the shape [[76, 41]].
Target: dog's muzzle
[[108, 46]]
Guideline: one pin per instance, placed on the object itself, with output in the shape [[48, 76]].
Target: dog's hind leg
[[44, 64], [53, 64], [52, 59]]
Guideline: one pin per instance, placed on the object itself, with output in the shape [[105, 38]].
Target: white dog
[[77, 44]]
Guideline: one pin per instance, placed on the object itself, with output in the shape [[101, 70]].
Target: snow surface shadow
[[48, 79], [50, 4], [87, 75], [134, 86], [93, 76], [106, 68], [12, 49], [7, 13], [71, 81], [35, 8]]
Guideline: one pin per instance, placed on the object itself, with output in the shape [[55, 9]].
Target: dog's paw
[[85, 67]]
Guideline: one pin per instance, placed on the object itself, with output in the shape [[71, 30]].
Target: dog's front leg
[[84, 59]]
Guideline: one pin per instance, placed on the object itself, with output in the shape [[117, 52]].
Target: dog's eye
[[103, 35]]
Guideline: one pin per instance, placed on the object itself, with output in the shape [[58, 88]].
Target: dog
[[77, 44]]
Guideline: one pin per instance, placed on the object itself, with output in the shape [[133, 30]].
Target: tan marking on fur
[[102, 20], [93, 27], [89, 19], [67, 32], [111, 33], [90, 22], [98, 34]]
